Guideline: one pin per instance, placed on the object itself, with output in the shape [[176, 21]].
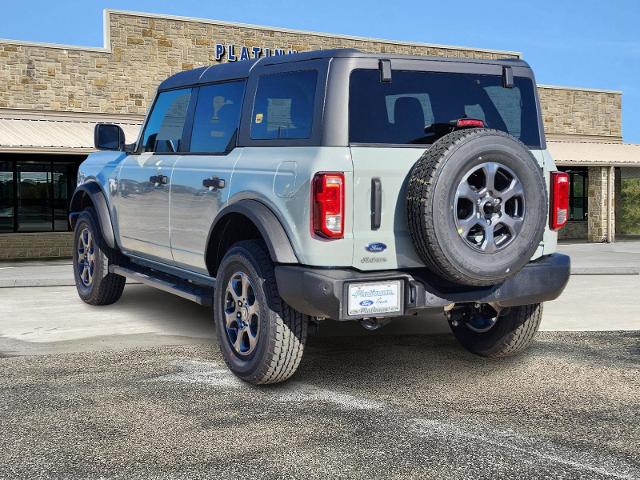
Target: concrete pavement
[[36, 273], [619, 258], [54, 319]]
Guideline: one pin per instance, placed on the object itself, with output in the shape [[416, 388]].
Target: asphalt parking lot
[[375, 407], [139, 390]]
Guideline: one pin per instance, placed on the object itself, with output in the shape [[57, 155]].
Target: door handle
[[376, 203], [159, 179], [213, 183]]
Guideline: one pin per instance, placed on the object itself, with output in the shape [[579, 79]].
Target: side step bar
[[200, 294]]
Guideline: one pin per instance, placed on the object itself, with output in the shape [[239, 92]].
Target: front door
[[34, 197], [144, 178], [201, 177]]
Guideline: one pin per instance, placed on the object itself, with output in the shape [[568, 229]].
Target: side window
[[284, 105], [166, 122], [217, 117]]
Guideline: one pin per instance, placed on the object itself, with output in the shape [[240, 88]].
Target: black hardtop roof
[[241, 69]]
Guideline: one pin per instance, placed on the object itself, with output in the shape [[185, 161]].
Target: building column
[[601, 219]]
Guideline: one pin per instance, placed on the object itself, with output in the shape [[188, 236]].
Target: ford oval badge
[[366, 303], [375, 247]]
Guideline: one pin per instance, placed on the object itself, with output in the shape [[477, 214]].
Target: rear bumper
[[323, 292]]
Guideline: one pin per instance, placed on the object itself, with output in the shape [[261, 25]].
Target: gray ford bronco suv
[[331, 185]]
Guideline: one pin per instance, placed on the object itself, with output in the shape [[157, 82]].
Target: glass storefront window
[[35, 191], [6, 197]]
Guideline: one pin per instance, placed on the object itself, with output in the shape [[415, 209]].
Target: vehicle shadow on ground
[[342, 351], [164, 310]]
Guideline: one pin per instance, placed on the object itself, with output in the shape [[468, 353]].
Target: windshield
[[413, 107]]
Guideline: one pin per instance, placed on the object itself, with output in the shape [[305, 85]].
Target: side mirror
[[108, 136]]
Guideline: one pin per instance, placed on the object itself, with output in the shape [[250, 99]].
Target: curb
[[42, 283], [36, 283], [605, 271]]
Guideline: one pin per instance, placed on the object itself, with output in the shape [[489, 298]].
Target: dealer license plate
[[370, 299]]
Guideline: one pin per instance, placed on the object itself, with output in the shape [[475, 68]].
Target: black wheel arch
[[90, 194], [246, 220]]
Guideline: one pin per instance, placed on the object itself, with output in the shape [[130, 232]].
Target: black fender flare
[[94, 192], [272, 231]]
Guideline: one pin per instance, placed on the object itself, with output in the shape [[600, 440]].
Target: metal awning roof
[[595, 153], [38, 133], [23, 131]]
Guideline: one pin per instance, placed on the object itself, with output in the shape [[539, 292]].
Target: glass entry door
[[35, 212], [64, 183]]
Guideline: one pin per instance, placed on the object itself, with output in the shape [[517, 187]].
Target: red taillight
[[469, 123], [328, 204], [559, 200]]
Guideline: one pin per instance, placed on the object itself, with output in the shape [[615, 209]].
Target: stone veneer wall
[[581, 112], [144, 50], [16, 246], [576, 230], [598, 204]]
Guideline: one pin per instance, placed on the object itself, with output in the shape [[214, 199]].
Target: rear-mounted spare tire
[[476, 206]]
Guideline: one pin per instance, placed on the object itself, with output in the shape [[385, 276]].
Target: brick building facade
[[51, 95]]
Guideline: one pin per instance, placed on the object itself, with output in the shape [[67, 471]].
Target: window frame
[[321, 66], [187, 122], [191, 114]]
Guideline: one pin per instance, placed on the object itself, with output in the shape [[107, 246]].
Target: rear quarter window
[[284, 106], [398, 112]]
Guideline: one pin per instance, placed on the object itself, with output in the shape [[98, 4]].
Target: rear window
[[398, 112], [283, 106]]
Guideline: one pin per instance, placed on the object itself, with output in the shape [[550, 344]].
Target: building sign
[[234, 53]]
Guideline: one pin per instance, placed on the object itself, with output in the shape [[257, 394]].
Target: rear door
[[387, 136], [201, 178], [142, 201]]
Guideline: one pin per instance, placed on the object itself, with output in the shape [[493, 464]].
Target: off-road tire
[[282, 330], [105, 288], [430, 206], [512, 333]]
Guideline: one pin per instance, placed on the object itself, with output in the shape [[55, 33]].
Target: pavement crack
[[511, 441]]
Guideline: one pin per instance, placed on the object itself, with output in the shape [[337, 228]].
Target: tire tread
[[285, 353], [109, 286], [510, 336]]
